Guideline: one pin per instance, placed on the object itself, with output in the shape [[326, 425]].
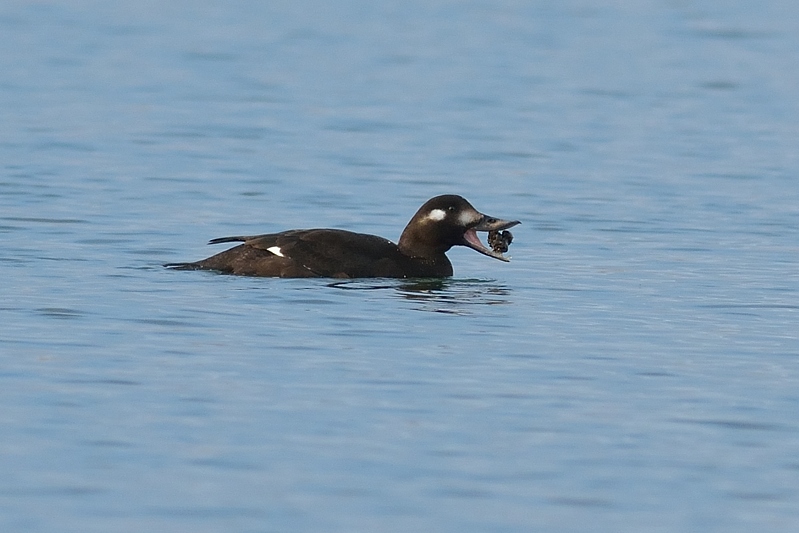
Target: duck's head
[[447, 221]]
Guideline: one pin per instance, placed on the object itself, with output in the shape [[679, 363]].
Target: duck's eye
[[451, 209]]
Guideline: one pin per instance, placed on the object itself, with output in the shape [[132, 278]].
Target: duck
[[440, 223]]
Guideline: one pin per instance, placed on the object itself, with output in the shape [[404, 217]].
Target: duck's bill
[[487, 223]]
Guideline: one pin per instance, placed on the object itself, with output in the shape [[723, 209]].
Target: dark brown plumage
[[441, 223]]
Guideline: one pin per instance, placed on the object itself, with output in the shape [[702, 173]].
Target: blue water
[[634, 368]]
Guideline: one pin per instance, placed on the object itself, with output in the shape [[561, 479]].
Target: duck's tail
[[183, 266]]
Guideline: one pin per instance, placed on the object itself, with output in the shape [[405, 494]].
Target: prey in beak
[[493, 226]]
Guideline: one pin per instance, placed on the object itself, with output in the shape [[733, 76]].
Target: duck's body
[[315, 253], [442, 222]]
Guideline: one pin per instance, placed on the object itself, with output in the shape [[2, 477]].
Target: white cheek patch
[[275, 250], [467, 218], [437, 215]]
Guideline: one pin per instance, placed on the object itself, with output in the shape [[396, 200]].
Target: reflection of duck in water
[[441, 223], [457, 293], [439, 295]]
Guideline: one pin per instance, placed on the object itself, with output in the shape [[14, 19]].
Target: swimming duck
[[441, 223]]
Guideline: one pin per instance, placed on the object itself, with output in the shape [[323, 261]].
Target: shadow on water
[[449, 296]]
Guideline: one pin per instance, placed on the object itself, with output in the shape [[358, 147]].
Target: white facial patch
[[275, 250], [467, 218], [437, 215]]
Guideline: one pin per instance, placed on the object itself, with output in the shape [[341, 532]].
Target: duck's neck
[[424, 260], [414, 244]]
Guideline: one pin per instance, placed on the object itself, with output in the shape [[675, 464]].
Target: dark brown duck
[[441, 223]]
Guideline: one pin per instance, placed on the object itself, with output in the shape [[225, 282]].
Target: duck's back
[[328, 253]]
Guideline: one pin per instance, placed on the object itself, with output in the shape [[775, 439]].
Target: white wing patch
[[437, 215], [275, 250]]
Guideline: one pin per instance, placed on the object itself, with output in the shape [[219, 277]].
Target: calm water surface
[[634, 368]]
